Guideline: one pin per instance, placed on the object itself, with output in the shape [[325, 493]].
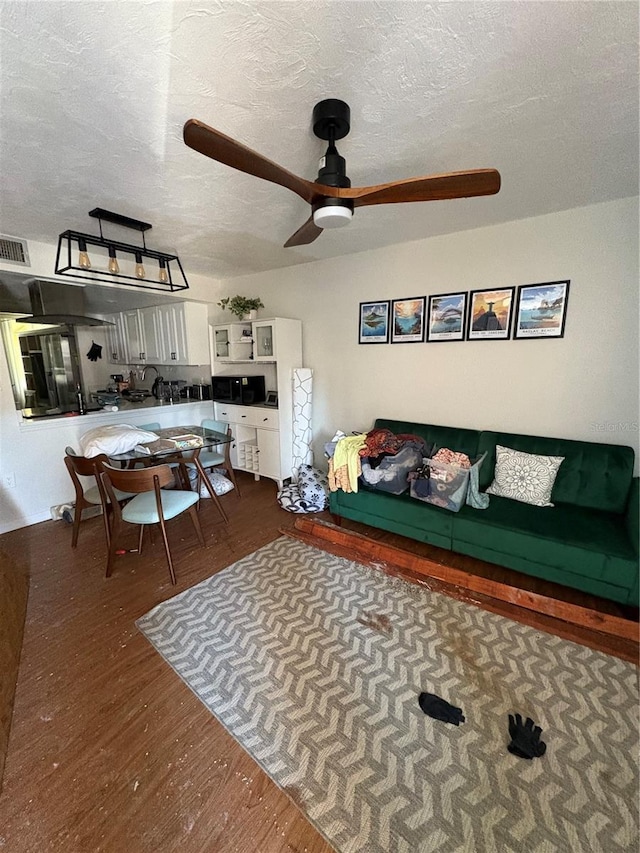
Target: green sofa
[[588, 540]]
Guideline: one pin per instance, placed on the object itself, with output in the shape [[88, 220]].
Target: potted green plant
[[242, 306]]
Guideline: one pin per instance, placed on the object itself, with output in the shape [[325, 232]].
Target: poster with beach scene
[[408, 320], [374, 323], [542, 310], [490, 314], [447, 313]]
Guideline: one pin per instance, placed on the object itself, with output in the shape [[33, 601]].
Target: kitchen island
[[32, 452]]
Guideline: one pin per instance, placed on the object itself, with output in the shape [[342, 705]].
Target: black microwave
[[244, 390]]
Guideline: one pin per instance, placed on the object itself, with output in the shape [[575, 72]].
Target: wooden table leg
[[210, 488]]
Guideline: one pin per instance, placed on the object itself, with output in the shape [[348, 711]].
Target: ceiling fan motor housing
[[331, 121], [332, 212]]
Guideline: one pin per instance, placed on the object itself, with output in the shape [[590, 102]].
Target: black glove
[[525, 738], [95, 352], [440, 709]]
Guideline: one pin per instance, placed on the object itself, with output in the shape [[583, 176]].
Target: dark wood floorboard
[[109, 750]]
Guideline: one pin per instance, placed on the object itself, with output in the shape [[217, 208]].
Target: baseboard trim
[[27, 521]]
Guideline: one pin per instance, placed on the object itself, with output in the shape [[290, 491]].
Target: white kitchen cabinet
[[172, 334], [153, 348], [264, 336], [231, 342], [134, 336], [256, 439], [185, 335], [269, 454], [117, 352], [263, 436]]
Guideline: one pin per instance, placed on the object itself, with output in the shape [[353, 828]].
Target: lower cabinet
[[256, 444]]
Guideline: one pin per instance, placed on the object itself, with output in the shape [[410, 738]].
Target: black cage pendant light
[[96, 258]]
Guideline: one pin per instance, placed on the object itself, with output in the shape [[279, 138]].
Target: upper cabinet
[[164, 334], [117, 352], [259, 341], [134, 336], [264, 337], [232, 342]]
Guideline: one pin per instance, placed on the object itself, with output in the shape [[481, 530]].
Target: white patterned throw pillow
[[525, 477]]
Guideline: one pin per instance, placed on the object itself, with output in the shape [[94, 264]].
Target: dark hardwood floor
[[109, 750]]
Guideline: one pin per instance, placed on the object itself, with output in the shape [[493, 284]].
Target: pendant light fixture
[[115, 261]]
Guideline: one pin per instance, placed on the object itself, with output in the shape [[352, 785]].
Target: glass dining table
[[182, 445]]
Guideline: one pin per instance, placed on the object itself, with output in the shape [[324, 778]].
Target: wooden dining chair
[[82, 466], [219, 456], [151, 505]]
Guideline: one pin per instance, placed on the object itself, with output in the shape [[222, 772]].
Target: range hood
[[58, 305]]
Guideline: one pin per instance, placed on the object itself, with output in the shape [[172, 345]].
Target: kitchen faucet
[[148, 367]]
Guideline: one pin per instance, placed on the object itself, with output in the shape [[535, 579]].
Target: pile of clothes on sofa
[[382, 458], [393, 463]]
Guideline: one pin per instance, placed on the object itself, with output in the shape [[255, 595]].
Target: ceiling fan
[[331, 196]]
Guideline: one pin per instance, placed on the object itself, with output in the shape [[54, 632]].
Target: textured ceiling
[[94, 96]]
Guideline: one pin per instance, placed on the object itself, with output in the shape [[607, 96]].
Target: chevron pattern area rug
[[314, 664]]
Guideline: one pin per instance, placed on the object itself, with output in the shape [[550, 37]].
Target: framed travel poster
[[374, 323], [490, 314], [541, 310], [446, 317], [407, 316]]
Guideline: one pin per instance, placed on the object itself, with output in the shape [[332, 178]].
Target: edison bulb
[[113, 266], [83, 258], [163, 275], [140, 271]]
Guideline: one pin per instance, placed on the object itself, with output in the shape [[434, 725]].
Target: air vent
[[14, 250]]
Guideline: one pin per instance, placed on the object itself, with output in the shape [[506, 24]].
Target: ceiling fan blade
[[430, 188], [307, 233], [224, 149]]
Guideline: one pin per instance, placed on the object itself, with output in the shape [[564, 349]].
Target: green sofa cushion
[[566, 538], [461, 440], [399, 513], [594, 476], [613, 591]]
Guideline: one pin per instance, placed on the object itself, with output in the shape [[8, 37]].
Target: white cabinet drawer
[[230, 413], [247, 415], [264, 418]]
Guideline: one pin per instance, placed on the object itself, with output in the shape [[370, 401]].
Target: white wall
[[583, 386]]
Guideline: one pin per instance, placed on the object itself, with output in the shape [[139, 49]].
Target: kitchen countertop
[[123, 406]]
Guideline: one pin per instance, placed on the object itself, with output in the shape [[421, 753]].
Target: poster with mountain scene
[[408, 320], [542, 310], [374, 323]]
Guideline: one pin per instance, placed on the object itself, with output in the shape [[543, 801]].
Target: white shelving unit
[[263, 436]]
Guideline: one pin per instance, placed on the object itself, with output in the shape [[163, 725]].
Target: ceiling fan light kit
[[332, 214], [331, 196], [163, 271]]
